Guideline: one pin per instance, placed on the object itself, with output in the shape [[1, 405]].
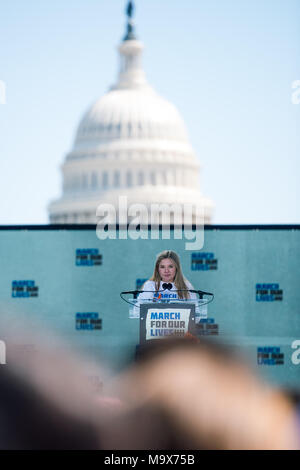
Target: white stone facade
[[133, 143]]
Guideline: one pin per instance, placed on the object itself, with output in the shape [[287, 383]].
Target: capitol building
[[131, 142]]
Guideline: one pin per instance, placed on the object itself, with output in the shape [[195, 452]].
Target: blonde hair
[[179, 280]]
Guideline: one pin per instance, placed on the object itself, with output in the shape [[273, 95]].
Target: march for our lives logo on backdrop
[[203, 262], [24, 289], [268, 292], [207, 327], [88, 257], [88, 321], [269, 356]]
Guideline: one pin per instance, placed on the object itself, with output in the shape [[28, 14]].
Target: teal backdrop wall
[[66, 281]]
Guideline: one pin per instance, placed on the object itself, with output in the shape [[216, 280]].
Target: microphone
[[133, 292], [200, 292]]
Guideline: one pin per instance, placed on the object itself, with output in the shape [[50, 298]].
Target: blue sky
[[228, 66]]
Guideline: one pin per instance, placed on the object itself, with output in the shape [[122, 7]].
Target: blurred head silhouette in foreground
[[179, 395]]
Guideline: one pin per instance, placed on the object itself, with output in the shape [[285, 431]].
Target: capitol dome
[[133, 143], [135, 114]]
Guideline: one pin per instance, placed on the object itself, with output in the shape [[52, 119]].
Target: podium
[[158, 320], [161, 316], [167, 318]]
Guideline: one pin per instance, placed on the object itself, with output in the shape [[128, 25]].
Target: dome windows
[[129, 129], [84, 181], [129, 179], [116, 179], [94, 180], [141, 179], [118, 130], [105, 180], [153, 179]]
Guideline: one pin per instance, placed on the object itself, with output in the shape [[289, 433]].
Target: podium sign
[[158, 320]]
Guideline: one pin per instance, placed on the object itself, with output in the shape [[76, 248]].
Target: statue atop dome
[[129, 9], [130, 26]]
